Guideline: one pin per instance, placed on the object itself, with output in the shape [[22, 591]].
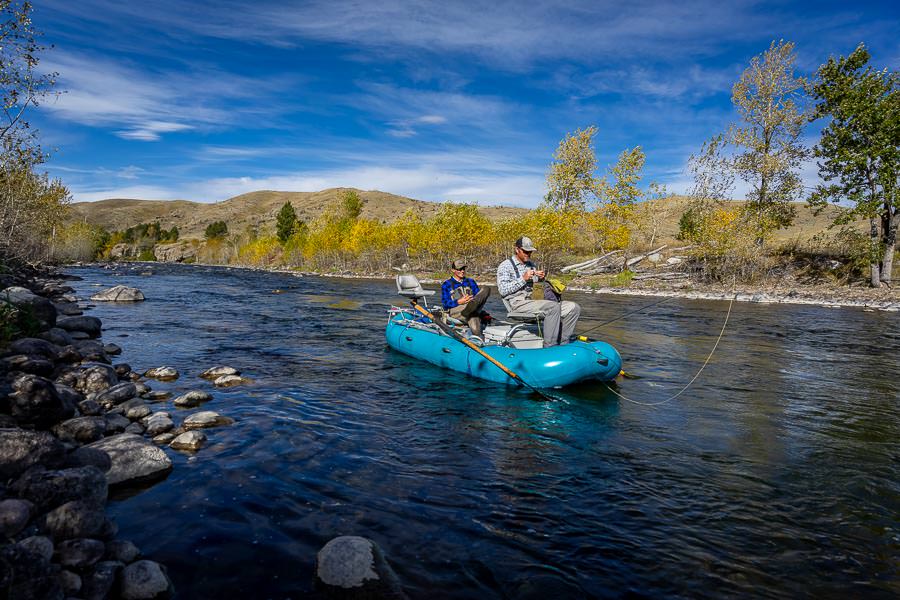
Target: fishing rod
[[651, 305], [456, 336]]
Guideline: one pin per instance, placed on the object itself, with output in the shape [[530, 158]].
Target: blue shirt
[[451, 284]]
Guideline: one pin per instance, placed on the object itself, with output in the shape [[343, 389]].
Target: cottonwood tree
[[860, 151], [286, 223], [30, 204], [571, 180], [766, 143]]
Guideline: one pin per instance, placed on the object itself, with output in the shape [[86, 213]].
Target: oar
[[449, 331]]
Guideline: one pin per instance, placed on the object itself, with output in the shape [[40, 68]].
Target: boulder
[[14, 516], [133, 458], [34, 347], [204, 419], [36, 402], [21, 450], [122, 551], [96, 377], [157, 423], [92, 350], [89, 457], [40, 545], [175, 252], [116, 394], [189, 440], [119, 293], [82, 430], [99, 584], [25, 575], [192, 398], [145, 580], [32, 365], [216, 372], [42, 308], [48, 489], [88, 325], [228, 381], [355, 567], [162, 373], [80, 552], [112, 350], [57, 336], [76, 520], [116, 423], [70, 582]]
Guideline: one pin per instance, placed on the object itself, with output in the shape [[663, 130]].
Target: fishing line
[[651, 305], [694, 378]]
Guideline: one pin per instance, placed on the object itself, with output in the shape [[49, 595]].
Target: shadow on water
[[774, 475]]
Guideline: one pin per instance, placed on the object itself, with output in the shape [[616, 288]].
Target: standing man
[[516, 277], [461, 297]]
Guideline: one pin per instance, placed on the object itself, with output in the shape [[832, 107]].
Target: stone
[[34, 347], [116, 423], [135, 428], [80, 552], [162, 373], [164, 438], [145, 580], [89, 325], [192, 398], [89, 457], [216, 372], [70, 582], [40, 545], [117, 394], [204, 419], [76, 520], [175, 252], [355, 567], [135, 409], [189, 440], [88, 408], [96, 377], [21, 450], [157, 423], [42, 308], [50, 488], [27, 576], [112, 349], [36, 402], [57, 336], [133, 458], [156, 396], [228, 381], [122, 369], [92, 351], [99, 584], [32, 365], [122, 551], [67, 308], [69, 394], [14, 516], [119, 293], [82, 430]]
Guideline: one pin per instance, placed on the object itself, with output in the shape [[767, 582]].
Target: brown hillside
[[254, 209]]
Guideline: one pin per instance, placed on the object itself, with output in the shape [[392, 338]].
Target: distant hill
[[254, 209], [259, 209]]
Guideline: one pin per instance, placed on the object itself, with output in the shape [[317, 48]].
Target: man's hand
[[528, 274], [465, 299], [540, 274]]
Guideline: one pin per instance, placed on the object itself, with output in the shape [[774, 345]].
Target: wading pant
[[559, 319], [470, 311]]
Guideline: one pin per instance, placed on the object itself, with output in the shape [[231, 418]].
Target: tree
[[571, 179], [768, 151], [351, 205], [216, 230], [31, 206], [860, 151], [286, 222]]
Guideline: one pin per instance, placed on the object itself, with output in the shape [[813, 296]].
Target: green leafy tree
[[860, 151], [286, 222], [351, 205], [216, 230], [571, 179], [768, 150]]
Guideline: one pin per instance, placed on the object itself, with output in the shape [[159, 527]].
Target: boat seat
[[523, 318], [409, 286]]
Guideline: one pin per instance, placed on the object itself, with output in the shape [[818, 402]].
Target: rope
[[694, 378]]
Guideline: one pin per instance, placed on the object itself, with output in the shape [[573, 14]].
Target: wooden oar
[[456, 336]]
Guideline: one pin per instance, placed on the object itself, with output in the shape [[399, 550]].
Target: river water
[[774, 475]]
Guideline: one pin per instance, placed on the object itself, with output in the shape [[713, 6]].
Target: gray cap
[[458, 264], [526, 244]]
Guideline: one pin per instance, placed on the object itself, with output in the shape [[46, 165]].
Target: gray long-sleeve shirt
[[509, 281]]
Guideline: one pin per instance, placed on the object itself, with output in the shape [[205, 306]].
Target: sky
[[445, 101]]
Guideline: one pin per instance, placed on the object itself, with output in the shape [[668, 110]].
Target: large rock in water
[[119, 293], [354, 567], [133, 458], [145, 580]]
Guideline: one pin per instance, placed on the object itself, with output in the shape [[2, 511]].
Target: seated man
[[462, 299], [516, 277]]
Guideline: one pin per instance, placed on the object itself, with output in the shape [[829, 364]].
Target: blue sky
[[463, 101]]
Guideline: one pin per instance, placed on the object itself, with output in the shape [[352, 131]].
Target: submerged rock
[[216, 372], [119, 293], [145, 580], [162, 373], [204, 419], [189, 440], [355, 567], [229, 380]]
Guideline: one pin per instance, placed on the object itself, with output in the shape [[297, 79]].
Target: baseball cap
[[526, 244], [458, 264]]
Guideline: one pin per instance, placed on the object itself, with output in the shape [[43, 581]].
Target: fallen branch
[[637, 259]]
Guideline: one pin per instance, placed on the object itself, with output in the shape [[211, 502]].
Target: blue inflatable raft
[[513, 346]]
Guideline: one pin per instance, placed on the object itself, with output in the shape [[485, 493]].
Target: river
[[774, 475]]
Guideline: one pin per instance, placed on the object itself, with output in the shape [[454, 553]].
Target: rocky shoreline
[[74, 426]]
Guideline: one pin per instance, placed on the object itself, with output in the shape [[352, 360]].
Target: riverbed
[[773, 475]]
